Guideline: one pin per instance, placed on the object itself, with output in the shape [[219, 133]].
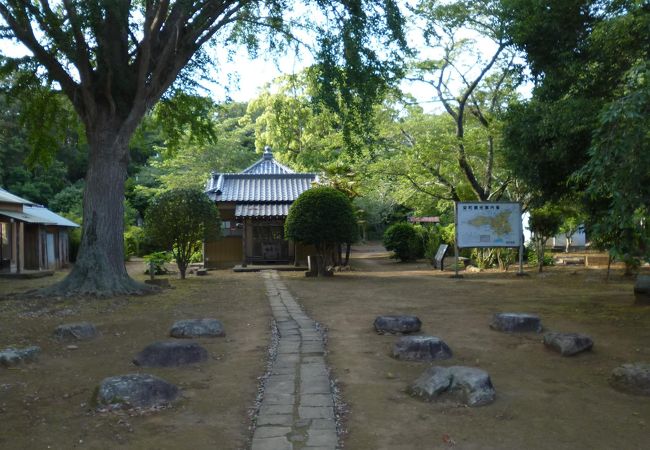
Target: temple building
[[253, 206]]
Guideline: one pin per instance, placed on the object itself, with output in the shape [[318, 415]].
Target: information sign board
[[488, 224]]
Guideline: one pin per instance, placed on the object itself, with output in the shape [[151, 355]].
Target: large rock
[[12, 356], [171, 354], [421, 348], [136, 390], [632, 378], [568, 344], [642, 289], [516, 323], [81, 331], [468, 385], [397, 324], [195, 328]]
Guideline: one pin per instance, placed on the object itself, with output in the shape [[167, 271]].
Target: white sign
[[488, 224]]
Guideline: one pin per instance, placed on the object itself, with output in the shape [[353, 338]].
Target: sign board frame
[[488, 207], [519, 233]]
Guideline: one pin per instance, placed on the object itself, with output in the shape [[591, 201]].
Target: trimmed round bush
[[403, 240]]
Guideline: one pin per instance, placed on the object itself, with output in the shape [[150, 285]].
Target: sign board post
[[488, 225], [438, 260]]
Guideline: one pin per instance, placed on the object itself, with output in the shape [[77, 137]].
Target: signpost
[[440, 256], [488, 225]]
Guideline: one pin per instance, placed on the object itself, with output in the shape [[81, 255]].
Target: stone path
[[297, 410]]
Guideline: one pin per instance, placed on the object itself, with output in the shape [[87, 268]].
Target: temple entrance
[[269, 244]]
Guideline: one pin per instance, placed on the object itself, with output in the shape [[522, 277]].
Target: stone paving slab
[[297, 409]]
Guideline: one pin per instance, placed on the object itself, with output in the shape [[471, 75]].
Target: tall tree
[[584, 132], [115, 59], [469, 86]]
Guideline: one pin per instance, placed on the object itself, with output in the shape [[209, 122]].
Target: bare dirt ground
[[47, 404], [544, 400]]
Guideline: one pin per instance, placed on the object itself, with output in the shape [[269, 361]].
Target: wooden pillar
[[243, 242], [13, 260], [21, 247]]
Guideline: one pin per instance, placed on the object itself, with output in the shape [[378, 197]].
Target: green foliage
[[584, 132], [544, 223], [323, 217], [618, 171], [136, 242], [179, 220], [404, 241], [158, 260], [286, 119], [532, 256]]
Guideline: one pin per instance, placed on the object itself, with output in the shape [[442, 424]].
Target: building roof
[[32, 213], [8, 197], [39, 214], [267, 165], [264, 189], [261, 188], [262, 210]]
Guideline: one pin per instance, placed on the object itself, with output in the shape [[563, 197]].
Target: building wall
[[224, 253]]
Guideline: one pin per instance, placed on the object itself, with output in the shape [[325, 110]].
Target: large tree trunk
[[99, 269]]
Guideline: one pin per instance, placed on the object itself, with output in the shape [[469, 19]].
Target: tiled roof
[[265, 189], [267, 165], [260, 188], [262, 210]]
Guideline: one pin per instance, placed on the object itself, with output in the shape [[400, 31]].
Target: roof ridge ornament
[[268, 154]]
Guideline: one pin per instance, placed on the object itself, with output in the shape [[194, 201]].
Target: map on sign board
[[488, 224]]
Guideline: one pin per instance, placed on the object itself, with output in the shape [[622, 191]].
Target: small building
[[253, 206], [32, 238]]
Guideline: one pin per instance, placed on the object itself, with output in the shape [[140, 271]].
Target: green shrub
[[322, 217], [532, 256], [158, 259], [404, 241]]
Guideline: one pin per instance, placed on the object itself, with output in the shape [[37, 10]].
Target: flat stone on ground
[[516, 323], [397, 324], [170, 354], [632, 378], [195, 328], [568, 344], [136, 390], [421, 348], [469, 385], [12, 356], [81, 331]]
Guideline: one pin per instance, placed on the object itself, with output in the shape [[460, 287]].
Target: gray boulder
[[136, 390], [81, 331], [469, 385], [568, 344], [642, 289], [632, 378], [12, 356], [171, 354], [421, 348], [195, 328], [397, 324], [516, 323]]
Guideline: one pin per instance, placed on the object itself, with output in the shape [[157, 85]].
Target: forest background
[[578, 144]]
